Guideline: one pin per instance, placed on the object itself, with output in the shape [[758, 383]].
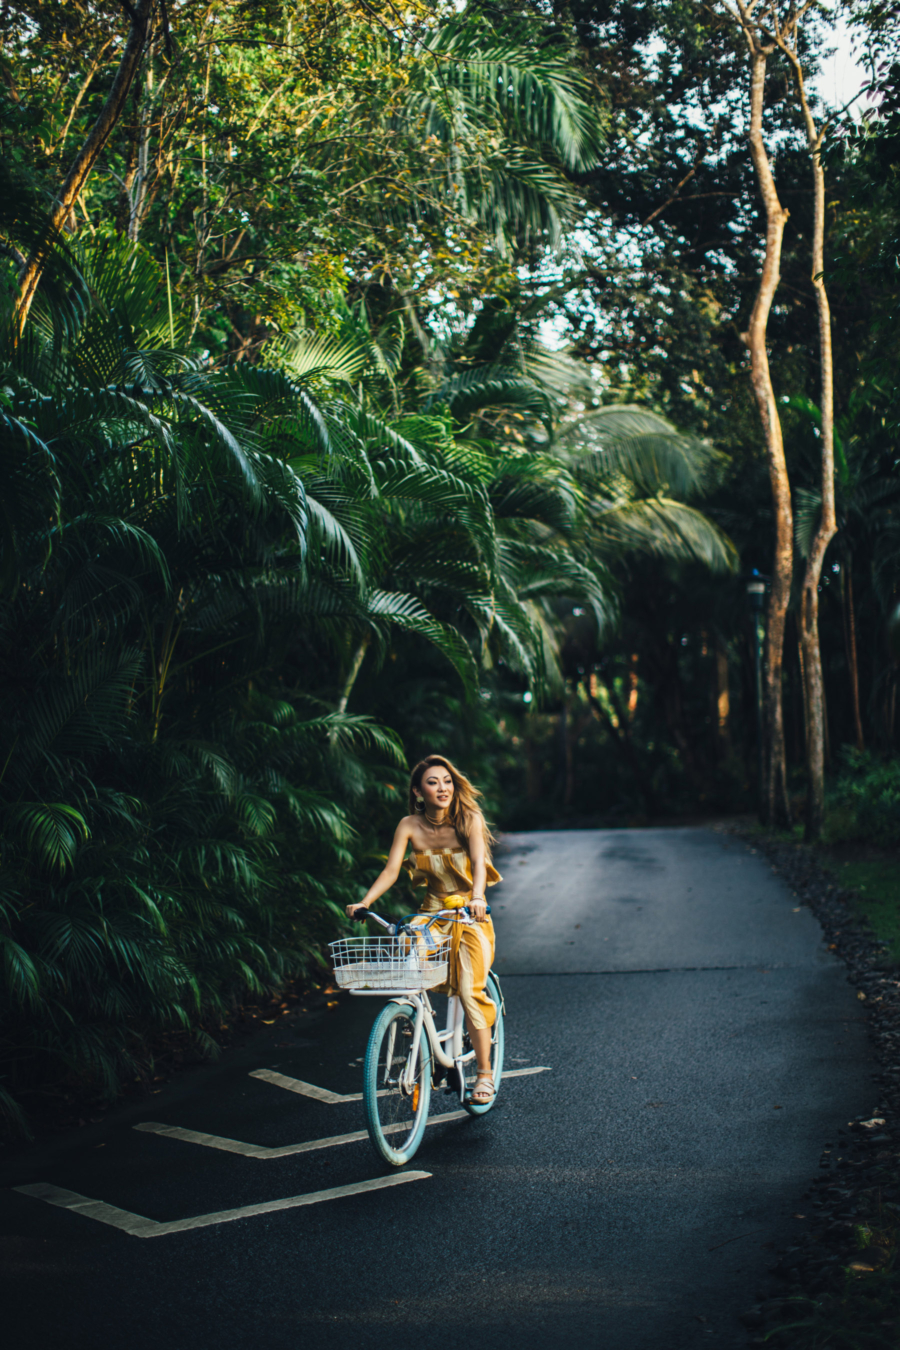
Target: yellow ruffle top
[[444, 872]]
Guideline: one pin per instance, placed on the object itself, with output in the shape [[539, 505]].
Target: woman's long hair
[[464, 813]]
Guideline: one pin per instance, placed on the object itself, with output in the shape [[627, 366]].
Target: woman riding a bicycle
[[450, 855]]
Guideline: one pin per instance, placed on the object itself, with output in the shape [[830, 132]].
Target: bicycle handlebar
[[361, 913]]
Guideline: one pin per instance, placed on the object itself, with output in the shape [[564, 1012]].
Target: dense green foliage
[[298, 481], [864, 803]]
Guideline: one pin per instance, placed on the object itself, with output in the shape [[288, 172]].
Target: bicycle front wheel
[[396, 1092], [498, 1039]]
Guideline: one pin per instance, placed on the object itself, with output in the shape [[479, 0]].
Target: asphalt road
[[703, 1047]]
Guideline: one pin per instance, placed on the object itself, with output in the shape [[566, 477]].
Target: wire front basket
[[418, 961]]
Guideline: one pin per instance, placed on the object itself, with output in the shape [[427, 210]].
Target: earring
[[420, 803]]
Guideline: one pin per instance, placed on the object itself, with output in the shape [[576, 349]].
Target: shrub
[[864, 801]]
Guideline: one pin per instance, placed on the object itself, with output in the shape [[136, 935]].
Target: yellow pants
[[471, 955]]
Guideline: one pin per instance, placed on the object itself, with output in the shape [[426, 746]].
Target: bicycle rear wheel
[[498, 1039], [396, 1114]]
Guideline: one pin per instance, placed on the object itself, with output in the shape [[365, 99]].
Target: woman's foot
[[483, 1091]]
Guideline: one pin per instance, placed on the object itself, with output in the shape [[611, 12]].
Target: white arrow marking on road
[[138, 1226], [259, 1151], [335, 1098]]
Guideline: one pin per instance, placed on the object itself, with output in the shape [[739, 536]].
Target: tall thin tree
[[774, 806], [786, 35]]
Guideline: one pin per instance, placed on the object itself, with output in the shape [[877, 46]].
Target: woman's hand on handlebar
[[477, 907], [353, 912]]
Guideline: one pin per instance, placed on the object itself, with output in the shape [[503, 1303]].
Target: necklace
[[434, 827]]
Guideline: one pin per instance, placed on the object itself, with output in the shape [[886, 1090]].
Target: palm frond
[[307, 356], [50, 830], [640, 445]]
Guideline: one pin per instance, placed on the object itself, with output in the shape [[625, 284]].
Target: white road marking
[[259, 1151], [138, 1226], [308, 1146], [335, 1098], [305, 1089]]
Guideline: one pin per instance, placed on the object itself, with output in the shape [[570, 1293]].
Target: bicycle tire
[[395, 1119], [498, 1045]]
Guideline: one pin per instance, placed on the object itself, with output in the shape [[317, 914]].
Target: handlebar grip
[[360, 914]]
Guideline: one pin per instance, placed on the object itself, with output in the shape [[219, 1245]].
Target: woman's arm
[[478, 859], [389, 873]]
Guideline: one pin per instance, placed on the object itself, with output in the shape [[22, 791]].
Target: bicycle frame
[[452, 1033]]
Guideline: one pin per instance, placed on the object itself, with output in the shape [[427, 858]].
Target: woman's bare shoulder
[[406, 828]]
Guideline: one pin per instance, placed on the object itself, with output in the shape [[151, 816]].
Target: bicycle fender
[[495, 978]]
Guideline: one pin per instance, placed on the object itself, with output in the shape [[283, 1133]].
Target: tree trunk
[[355, 667], [804, 690], [140, 184], [632, 686], [723, 701], [775, 808], [82, 90], [88, 155], [827, 528]]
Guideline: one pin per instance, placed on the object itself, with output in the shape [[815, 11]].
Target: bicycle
[[406, 1055]]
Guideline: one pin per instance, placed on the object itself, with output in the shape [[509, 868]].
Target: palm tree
[[174, 828]]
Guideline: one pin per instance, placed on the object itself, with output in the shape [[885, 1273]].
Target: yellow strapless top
[[444, 872]]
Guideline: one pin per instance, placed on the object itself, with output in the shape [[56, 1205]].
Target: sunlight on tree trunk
[[82, 91], [827, 528], [774, 807], [632, 686], [723, 702]]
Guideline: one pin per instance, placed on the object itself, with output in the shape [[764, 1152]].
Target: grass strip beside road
[[875, 884], [870, 874]]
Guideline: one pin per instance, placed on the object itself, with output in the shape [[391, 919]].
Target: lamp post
[[756, 599]]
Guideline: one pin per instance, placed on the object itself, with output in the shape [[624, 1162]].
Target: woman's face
[[436, 787]]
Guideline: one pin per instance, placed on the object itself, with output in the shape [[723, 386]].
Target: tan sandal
[[481, 1095]]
